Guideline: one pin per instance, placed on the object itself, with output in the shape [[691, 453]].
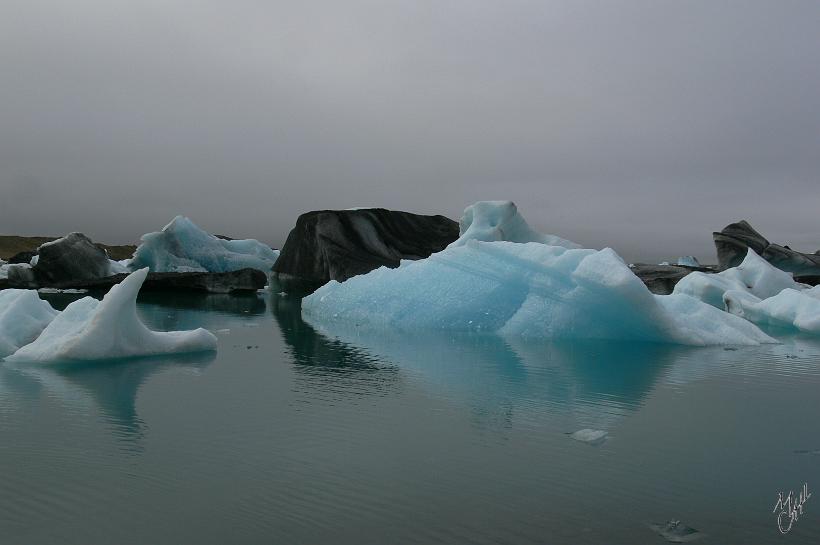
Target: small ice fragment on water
[[675, 532], [590, 436], [282, 293], [223, 331]]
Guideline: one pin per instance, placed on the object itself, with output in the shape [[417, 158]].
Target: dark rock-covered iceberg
[[661, 279], [734, 241], [338, 244], [71, 258], [247, 279]]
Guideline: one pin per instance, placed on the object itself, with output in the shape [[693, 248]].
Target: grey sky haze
[[641, 125]]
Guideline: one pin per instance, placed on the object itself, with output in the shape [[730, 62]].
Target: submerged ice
[[525, 289], [89, 329], [182, 246]]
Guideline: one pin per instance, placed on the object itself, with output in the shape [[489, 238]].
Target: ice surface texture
[[70, 258], [89, 329], [181, 246], [758, 292], [490, 221], [329, 245], [23, 316], [688, 261], [525, 289], [754, 275]]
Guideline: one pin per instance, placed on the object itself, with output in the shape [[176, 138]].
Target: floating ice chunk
[[181, 246], [23, 316], [499, 220], [89, 329], [590, 436], [71, 258], [20, 273], [119, 267], [676, 532], [759, 292], [688, 261], [529, 290], [789, 309], [754, 275]]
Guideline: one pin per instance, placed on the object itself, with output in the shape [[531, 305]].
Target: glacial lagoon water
[[289, 436]]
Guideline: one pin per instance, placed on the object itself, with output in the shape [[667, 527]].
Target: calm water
[[289, 436]]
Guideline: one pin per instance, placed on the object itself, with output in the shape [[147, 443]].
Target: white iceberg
[[754, 275], [529, 290], [759, 292], [16, 272], [491, 221], [790, 309], [89, 329], [181, 246], [23, 316]]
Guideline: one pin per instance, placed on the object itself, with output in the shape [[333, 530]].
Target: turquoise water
[[288, 436]]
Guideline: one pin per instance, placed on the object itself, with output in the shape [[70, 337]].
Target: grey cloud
[[642, 125]]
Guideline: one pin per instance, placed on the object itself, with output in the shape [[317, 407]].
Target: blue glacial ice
[[491, 221], [89, 329], [688, 261], [759, 292], [530, 289], [23, 316], [182, 246]]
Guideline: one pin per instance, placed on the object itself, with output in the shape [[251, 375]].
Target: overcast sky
[[641, 125]]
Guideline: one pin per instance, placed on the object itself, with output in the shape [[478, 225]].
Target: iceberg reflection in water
[[589, 384], [296, 435]]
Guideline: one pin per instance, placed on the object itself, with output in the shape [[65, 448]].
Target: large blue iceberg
[[527, 289], [182, 246]]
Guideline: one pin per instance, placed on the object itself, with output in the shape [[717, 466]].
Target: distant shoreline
[[11, 245]]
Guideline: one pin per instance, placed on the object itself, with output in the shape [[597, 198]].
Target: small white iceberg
[[89, 329], [23, 316], [754, 275], [760, 293]]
